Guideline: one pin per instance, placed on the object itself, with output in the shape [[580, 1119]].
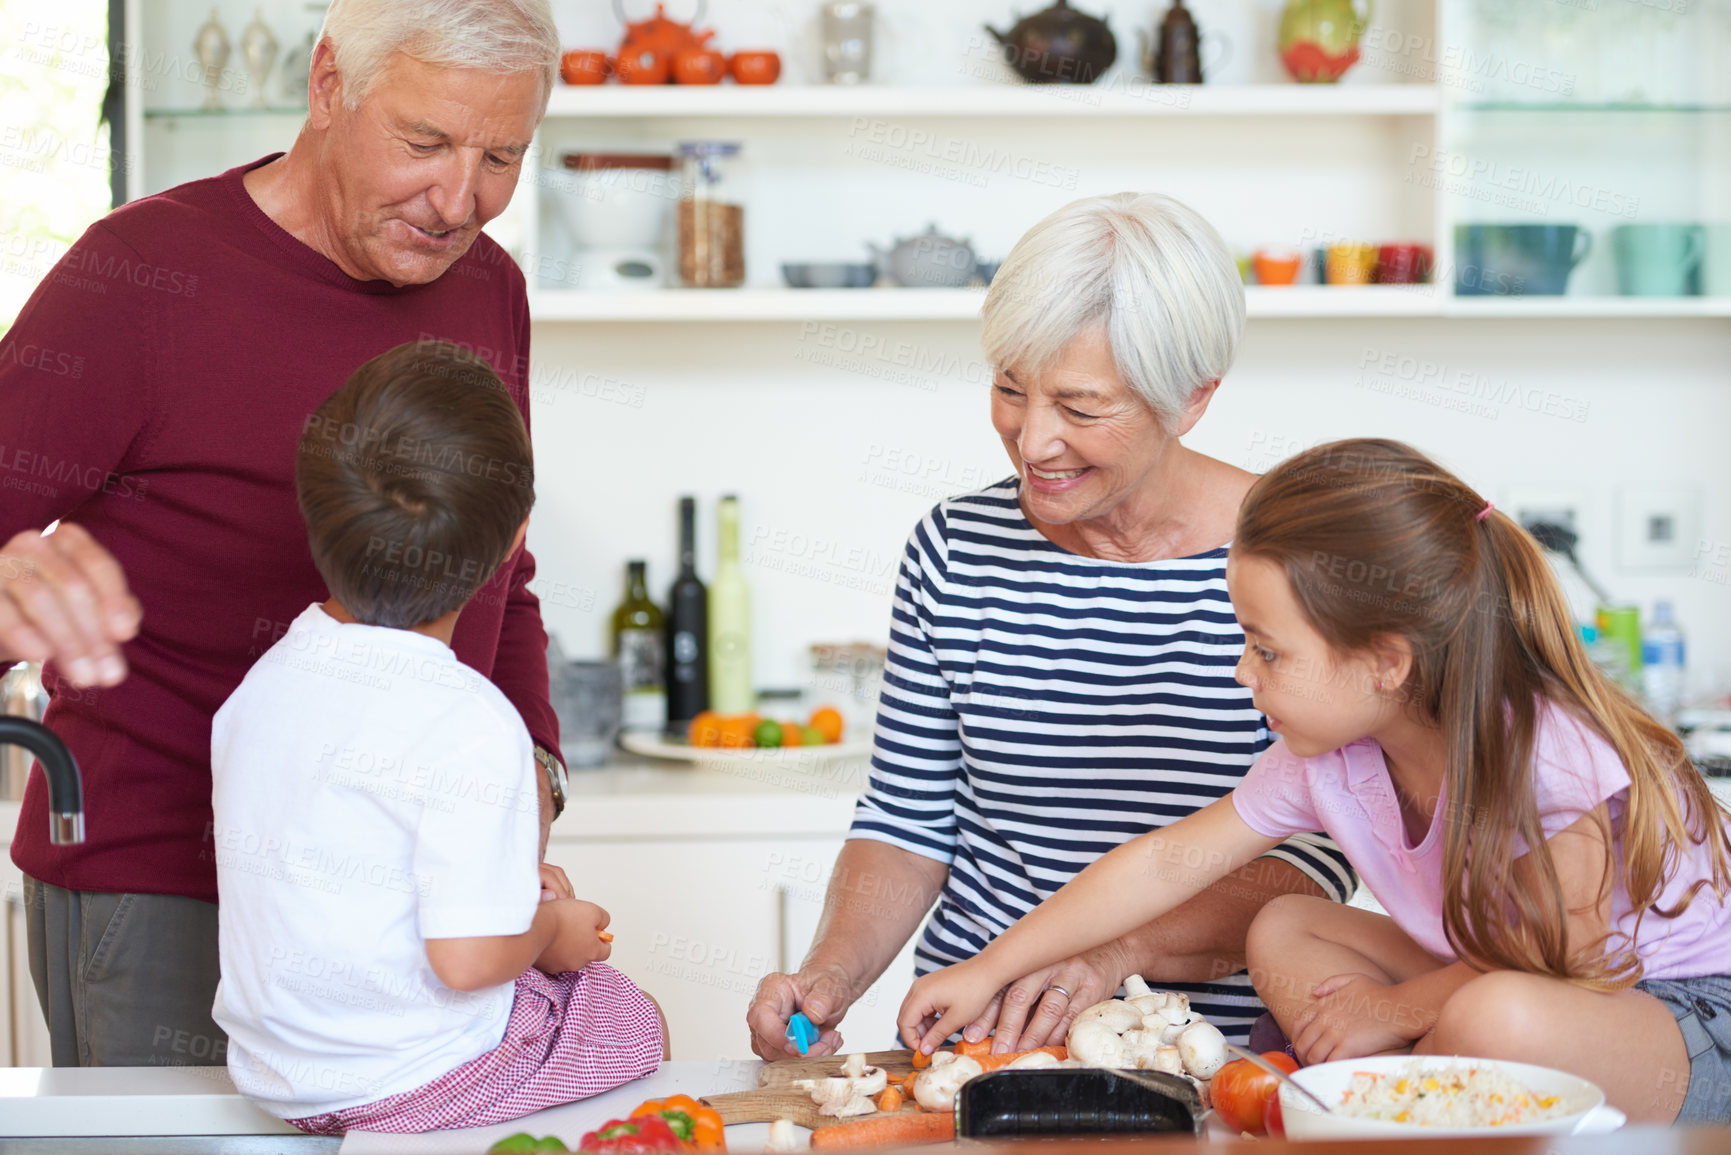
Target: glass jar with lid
[[711, 225]]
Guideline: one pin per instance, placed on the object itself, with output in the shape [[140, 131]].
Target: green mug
[[1657, 260], [1716, 266]]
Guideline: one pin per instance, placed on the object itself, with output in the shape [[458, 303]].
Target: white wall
[[834, 463]]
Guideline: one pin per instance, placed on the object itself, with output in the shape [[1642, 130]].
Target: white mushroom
[[1118, 1015], [1034, 1061], [1203, 1049], [784, 1136], [1168, 1060], [936, 1088], [1095, 1044], [1139, 1047], [866, 1080], [849, 1093], [1137, 994]]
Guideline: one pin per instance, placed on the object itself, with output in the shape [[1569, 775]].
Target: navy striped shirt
[[1040, 708]]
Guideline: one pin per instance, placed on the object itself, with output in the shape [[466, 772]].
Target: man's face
[[432, 154]]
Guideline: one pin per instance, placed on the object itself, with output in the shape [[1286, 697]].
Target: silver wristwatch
[[556, 781]]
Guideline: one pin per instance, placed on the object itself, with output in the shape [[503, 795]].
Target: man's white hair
[[1145, 267], [494, 35]]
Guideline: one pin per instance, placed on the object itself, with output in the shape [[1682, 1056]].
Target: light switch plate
[[1657, 526], [1566, 504]]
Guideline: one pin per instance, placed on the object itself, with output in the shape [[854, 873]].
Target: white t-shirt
[[370, 792]]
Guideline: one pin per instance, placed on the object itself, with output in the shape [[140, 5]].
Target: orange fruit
[[827, 720], [736, 731], [790, 734], [705, 729]]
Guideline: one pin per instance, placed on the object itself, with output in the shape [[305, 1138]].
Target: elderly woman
[[1061, 657]]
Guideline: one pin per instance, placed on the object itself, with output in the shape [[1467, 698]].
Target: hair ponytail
[[1492, 639]]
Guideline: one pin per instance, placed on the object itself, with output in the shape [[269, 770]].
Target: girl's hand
[[1354, 1015], [941, 1003], [554, 884], [578, 942]]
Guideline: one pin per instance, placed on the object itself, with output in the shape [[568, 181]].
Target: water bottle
[[1662, 671]]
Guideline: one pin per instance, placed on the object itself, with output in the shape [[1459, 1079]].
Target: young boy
[[390, 961]]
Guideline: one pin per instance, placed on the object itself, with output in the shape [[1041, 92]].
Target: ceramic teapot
[[1058, 46], [928, 261]]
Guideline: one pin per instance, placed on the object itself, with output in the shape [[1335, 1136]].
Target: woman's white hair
[[1148, 269], [495, 35]]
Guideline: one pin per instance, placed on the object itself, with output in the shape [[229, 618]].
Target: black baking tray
[[1087, 1101]]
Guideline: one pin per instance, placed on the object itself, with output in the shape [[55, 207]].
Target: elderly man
[[152, 393]]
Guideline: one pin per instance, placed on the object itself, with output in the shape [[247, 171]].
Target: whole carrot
[[904, 1130]]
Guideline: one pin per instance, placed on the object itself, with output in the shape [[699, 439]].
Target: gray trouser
[[125, 980]]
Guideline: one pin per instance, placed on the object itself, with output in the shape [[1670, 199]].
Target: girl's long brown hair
[[1379, 541]]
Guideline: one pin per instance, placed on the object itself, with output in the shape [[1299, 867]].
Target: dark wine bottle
[[687, 630]]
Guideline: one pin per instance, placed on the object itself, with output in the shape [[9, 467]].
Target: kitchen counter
[[633, 797]]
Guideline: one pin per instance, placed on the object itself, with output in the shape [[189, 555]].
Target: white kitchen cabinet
[[699, 921], [23, 1033]]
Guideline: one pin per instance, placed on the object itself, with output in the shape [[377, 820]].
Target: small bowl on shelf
[[828, 274]]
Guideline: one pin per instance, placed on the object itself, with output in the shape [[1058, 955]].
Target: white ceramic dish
[[1329, 1081], [655, 746]]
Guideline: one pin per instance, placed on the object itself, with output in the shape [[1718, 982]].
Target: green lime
[[812, 735], [768, 733]]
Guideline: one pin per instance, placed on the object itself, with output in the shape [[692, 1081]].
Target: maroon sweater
[[153, 390]]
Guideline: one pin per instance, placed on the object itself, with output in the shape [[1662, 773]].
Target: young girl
[[1555, 868]]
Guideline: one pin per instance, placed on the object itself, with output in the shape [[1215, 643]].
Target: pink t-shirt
[[1348, 793]]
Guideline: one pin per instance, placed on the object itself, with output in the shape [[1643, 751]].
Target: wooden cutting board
[[777, 1098]]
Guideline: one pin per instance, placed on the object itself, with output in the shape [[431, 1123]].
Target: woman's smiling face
[[1080, 437]]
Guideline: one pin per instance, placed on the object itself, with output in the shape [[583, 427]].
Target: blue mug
[[1517, 260]]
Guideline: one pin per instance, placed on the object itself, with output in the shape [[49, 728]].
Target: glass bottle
[[687, 629], [730, 689], [638, 628]]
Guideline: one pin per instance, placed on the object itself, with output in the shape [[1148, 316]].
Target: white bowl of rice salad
[[1426, 1095]]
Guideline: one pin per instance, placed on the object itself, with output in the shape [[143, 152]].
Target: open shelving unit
[[1211, 146]]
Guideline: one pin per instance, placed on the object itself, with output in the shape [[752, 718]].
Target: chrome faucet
[[65, 787]]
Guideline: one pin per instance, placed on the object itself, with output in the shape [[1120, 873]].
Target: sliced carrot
[[921, 1059], [905, 1129], [890, 1100], [993, 1062]]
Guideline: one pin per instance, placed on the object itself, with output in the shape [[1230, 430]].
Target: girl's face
[[1316, 700]]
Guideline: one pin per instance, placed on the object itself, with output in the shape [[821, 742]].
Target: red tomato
[[1242, 1091]]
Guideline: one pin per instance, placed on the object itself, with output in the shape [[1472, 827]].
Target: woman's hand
[[822, 992], [1354, 1015], [941, 1003], [1035, 1010], [578, 942]]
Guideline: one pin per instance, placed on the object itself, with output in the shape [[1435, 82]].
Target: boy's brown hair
[[413, 478]]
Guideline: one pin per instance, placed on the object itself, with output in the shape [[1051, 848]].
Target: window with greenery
[[54, 153]]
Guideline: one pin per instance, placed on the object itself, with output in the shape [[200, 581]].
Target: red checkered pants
[[568, 1037]]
